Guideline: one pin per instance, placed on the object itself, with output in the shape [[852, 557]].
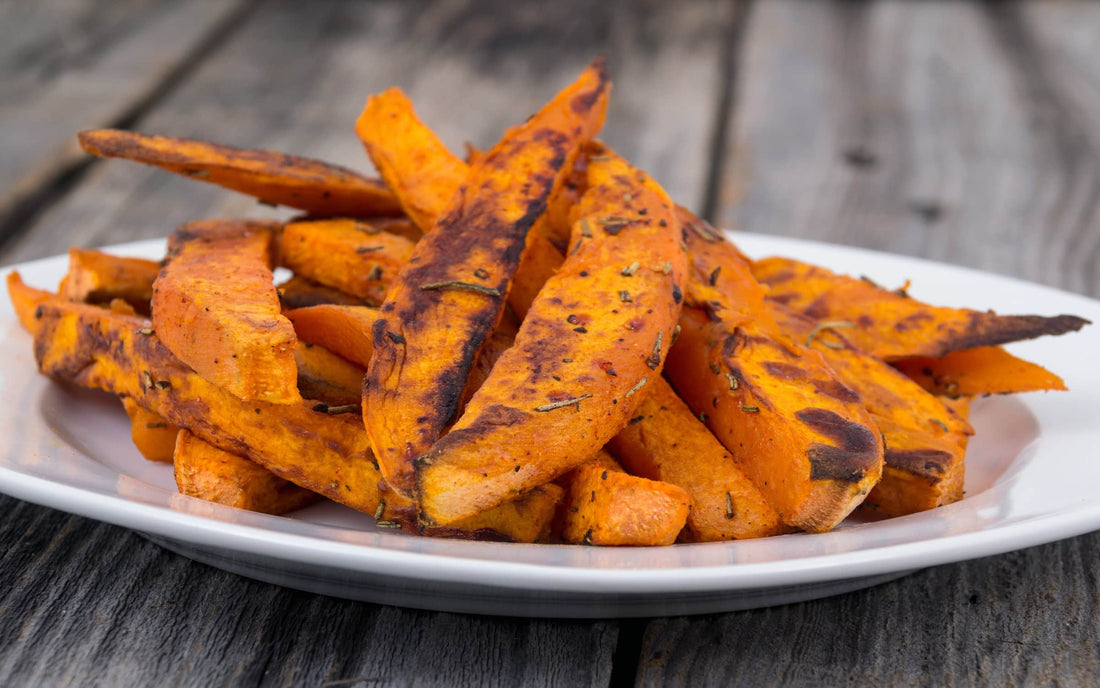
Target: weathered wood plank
[[295, 80], [87, 603], [79, 66], [1021, 619], [931, 129]]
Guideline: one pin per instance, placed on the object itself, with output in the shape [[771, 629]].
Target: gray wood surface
[[953, 131]]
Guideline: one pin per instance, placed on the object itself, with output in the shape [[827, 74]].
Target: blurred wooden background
[[962, 132]]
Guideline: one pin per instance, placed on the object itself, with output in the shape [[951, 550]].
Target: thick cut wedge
[[665, 441], [802, 436], [216, 309], [450, 296], [596, 334], [978, 371], [344, 330], [215, 475], [891, 325], [98, 277], [276, 178], [353, 256]]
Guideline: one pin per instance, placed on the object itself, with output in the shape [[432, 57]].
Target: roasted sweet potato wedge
[[215, 307], [803, 437], [597, 332], [353, 256], [326, 377], [207, 472], [25, 301], [978, 371], [423, 174], [891, 325], [153, 436], [665, 441], [344, 330], [98, 277], [609, 507], [914, 424], [301, 292], [451, 295], [322, 452], [276, 178]]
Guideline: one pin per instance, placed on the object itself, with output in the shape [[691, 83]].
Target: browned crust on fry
[[277, 178], [215, 307], [478, 241]]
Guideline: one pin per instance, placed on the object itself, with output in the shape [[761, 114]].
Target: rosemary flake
[[635, 388], [586, 229], [147, 378], [460, 286], [828, 325], [563, 403], [729, 506], [368, 249], [750, 409], [346, 408], [733, 381], [714, 368], [147, 330], [631, 269], [624, 296], [380, 510], [714, 275], [940, 423], [375, 273], [387, 524]]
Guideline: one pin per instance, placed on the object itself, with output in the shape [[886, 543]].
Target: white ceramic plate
[[1032, 471]]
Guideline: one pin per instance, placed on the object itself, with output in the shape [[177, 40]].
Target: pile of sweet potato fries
[[534, 344]]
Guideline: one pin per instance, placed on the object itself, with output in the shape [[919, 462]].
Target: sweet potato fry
[[204, 471], [323, 376], [925, 439], [277, 178], [302, 292], [608, 507], [450, 296], [325, 453], [353, 256], [423, 174], [797, 432], [665, 441], [25, 301], [596, 333], [98, 277], [344, 330], [153, 436], [891, 325], [215, 307], [978, 371]]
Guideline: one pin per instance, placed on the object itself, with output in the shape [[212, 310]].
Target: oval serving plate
[[1031, 469]]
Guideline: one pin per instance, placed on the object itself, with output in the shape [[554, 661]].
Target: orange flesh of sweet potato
[[302, 292], [423, 174], [215, 475], [665, 441], [353, 256], [801, 436], [215, 307], [608, 507], [25, 301], [325, 453], [97, 277], [891, 325], [978, 371], [925, 439], [583, 353], [451, 295], [276, 178], [344, 330], [153, 436], [326, 377]]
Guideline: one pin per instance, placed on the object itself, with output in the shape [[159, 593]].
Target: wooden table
[[958, 132]]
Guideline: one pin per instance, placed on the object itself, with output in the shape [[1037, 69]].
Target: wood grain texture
[[295, 81], [77, 65], [91, 604], [944, 130]]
